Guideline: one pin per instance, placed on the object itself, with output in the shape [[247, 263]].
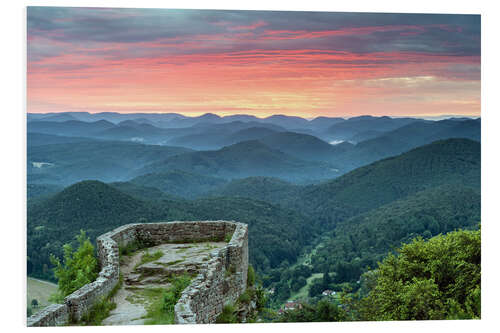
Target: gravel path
[[177, 258]]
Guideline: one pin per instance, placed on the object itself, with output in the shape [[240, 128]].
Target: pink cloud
[[252, 26]]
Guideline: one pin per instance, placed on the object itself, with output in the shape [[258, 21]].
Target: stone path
[[175, 259]]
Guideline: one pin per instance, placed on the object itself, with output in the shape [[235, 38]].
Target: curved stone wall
[[222, 279]]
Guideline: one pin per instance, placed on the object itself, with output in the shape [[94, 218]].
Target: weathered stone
[[200, 302]]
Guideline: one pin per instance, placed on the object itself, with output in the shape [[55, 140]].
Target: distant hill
[[108, 161], [288, 122], [365, 135], [248, 158], [303, 146], [142, 192], [356, 125], [251, 133], [320, 124], [41, 190], [60, 117], [208, 136], [405, 138], [452, 161], [179, 183], [69, 128], [130, 130], [40, 139], [268, 189]]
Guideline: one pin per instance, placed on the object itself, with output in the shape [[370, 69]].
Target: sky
[[262, 63]]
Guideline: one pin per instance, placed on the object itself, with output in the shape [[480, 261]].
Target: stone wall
[[222, 279]]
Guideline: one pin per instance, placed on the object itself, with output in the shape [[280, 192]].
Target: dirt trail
[[131, 302]]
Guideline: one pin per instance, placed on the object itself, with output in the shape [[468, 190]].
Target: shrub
[[79, 268], [227, 237], [34, 302], [435, 279], [250, 276], [228, 315], [244, 298]]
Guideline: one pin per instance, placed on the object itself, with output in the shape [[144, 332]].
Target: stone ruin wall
[[221, 279]]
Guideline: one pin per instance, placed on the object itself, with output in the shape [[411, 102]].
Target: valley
[[320, 215]]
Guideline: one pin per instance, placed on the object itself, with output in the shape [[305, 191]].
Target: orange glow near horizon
[[219, 73]]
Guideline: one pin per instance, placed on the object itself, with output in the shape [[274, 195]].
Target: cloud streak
[[262, 62]]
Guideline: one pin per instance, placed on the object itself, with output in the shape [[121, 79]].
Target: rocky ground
[[145, 271]]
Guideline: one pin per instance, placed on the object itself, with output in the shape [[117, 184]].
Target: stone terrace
[[221, 278]]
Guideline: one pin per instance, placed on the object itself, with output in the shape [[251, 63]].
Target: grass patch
[[303, 293], [244, 298], [134, 246], [161, 309], [227, 237], [228, 315], [100, 310], [117, 287], [41, 292], [135, 299], [149, 257]]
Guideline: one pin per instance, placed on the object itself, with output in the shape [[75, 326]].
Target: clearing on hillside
[[41, 291]]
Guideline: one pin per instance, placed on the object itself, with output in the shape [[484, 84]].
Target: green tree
[[34, 303], [80, 267], [435, 279], [323, 311]]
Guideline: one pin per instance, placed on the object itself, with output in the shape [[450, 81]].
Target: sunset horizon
[[261, 63]]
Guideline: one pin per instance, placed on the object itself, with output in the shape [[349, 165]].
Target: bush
[[80, 267], [323, 311], [227, 237], [435, 279], [261, 298], [250, 276], [34, 303], [244, 298], [228, 315]]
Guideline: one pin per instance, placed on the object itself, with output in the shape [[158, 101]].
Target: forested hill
[[357, 244], [276, 234], [244, 159], [442, 162], [433, 188]]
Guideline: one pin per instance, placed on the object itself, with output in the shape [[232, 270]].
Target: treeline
[[275, 234], [356, 245], [433, 279]]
